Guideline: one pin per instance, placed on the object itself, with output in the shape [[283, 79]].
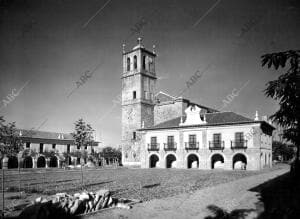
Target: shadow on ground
[[220, 213], [279, 196]]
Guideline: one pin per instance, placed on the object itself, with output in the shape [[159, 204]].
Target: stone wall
[[168, 110]]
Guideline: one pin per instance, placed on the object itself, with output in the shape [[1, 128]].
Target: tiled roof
[[220, 118], [45, 135], [47, 141]]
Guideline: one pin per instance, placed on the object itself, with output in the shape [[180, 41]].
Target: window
[[239, 136], [192, 140], [134, 94], [68, 148], [217, 140], [128, 64], [153, 142], [27, 144], [170, 141], [239, 139], [135, 62], [134, 135], [144, 62], [53, 146], [41, 147]]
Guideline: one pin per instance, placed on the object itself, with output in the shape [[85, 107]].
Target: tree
[[285, 89], [10, 141], [49, 154], [110, 152], [282, 150], [83, 134]]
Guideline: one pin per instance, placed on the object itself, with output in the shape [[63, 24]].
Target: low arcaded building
[[46, 149]]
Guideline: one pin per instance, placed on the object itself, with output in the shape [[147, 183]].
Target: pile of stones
[[79, 203]]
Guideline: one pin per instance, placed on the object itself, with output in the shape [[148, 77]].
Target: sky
[[61, 60]]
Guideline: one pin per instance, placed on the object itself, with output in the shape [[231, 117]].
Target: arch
[[242, 159], [216, 158], [170, 159], [153, 160], [128, 64], [41, 162], [134, 62], [192, 161], [53, 161], [28, 163], [12, 162]]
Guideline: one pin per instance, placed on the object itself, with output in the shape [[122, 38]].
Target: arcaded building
[[163, 131], [40, 143]]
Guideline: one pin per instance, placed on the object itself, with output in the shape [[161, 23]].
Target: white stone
[[219, 165], [174, 164], [193, 116], [239, 165], [194, 165]]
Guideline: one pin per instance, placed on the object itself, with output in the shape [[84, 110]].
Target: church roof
[[212, 119]]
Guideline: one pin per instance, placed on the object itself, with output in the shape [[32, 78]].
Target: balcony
[[170, 146], [239, 144], [191, 146], [216, 145], [153, 147]]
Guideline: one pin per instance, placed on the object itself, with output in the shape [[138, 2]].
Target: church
[[163, 131]]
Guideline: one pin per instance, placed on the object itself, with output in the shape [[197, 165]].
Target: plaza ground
[[141, 184]]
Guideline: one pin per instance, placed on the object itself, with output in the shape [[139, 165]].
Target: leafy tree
[[10, 142], [28, 152], [76, 154], [83, 134], [110, 152], [285, 89], [282, 150], [49, 154]]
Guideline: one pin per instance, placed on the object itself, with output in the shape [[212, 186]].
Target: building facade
[[166, 131], [46, 149]]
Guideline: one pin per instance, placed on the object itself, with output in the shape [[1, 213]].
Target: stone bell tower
[[138, 88]]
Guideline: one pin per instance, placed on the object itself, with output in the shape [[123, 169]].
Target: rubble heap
[[79, 203]]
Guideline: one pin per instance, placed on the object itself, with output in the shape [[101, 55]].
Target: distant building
[[166, 131], [41, 142]]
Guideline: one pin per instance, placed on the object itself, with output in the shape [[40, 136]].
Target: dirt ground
[[141, 184], [233, 199]]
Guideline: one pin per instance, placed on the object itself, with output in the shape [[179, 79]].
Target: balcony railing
[[239, 144], [170, 146], [216, 145], [153, 147], [191, 145]]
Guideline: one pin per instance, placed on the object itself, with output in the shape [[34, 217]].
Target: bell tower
[[138, 88]]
